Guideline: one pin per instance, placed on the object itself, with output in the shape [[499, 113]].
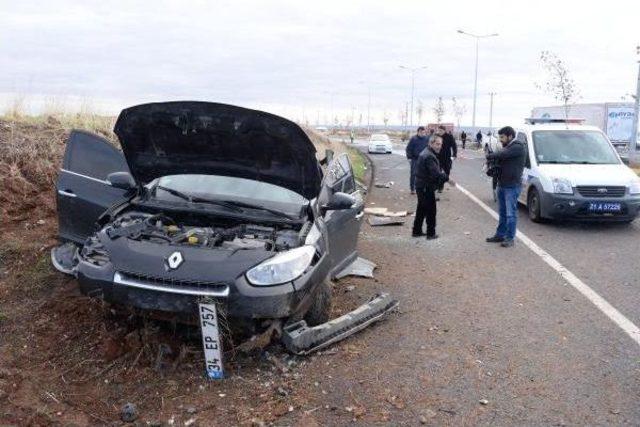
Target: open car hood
[[189, 137]]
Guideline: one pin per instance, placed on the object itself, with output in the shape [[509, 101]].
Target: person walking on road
[[510, 161], [429, 177], [463, 138], [479, 139], [449, 150], [416, 145]]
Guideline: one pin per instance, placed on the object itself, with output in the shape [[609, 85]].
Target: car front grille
[[596, 191], [173, 283]]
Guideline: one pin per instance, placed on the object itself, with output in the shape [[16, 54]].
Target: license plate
[[604, 207], [211, 340]]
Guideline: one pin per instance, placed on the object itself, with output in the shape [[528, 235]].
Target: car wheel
[[320, 310], [533, 206]]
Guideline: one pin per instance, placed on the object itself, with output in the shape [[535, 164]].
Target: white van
[[574, 172]]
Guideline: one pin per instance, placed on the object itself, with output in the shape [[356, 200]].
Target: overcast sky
[[295, 57]]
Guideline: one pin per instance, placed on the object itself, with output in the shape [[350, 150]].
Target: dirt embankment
[[66, 359]]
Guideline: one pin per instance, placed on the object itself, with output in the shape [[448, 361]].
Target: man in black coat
[[449, 150], [415, 146], [429, 177], [463, 139]]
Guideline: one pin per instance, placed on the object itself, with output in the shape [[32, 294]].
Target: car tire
[[533, 206], [320, 311]]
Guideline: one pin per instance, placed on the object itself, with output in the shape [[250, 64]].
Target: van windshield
[[573, 147]]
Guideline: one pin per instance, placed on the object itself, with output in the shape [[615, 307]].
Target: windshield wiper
[[192, 199], [260, 207]]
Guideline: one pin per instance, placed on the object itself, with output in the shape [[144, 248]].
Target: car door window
[[348, 181], [92, 156]]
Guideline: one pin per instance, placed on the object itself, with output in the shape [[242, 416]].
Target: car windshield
[[225, 188], [573, 146], [379, 138]]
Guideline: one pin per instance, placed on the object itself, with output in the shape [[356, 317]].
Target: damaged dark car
[[211, 202]]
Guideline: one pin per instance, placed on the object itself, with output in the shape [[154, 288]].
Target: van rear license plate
[[603, 207], [211, 340]]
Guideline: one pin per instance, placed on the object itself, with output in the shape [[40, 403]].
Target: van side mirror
[[122, 180], [339, 201]]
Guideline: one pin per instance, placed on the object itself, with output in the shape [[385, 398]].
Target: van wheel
[[533, 206], [320, 310]]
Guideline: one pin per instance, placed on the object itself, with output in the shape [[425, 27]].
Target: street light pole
[[475, 84], [491, 111], [633, 142], [413, 81]]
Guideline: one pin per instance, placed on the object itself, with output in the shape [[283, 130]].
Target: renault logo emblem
[[174, 260]]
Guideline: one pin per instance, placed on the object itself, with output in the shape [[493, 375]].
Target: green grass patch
[[358, 163]]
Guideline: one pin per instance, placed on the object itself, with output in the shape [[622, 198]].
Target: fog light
[[572, 204]]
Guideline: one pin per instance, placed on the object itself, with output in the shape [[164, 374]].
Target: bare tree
[[420, 111], [439, 110], [559, 83], [459, 110]]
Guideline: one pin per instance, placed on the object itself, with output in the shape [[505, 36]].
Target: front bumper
[[575, 206], [238, 299], [379, 149]]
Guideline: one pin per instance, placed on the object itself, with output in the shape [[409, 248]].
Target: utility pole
[[491, 111], [413, 83], [633, 141], [475, 84], [369, 111]]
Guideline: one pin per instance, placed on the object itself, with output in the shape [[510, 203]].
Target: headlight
[[282, 268], [634, 187], [562, 186]]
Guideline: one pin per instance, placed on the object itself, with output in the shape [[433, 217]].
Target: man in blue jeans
[[510, 161]]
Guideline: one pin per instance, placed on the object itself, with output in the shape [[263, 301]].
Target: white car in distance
[[380, 143]]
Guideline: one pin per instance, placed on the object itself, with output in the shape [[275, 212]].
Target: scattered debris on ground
[[376, 221], [360, 267], [388, 184]]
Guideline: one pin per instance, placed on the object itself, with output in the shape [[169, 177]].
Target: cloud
[[293, 56]]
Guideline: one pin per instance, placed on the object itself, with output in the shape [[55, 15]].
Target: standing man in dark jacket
[[479, 139], [449, 150], [510, 160], [429, 176], [416, 145], [463, 138]]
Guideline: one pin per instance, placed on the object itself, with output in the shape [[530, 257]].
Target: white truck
[[615, 119]]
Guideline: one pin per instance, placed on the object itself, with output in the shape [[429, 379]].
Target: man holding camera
[[509, 164]]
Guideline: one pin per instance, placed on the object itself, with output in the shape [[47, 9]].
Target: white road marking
[[610, 311]]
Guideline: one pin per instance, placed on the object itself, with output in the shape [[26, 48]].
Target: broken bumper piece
[[301, 339]]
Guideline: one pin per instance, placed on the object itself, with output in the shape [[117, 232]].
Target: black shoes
[[507, 243], [420, 234], [495, 239], [432, 237]]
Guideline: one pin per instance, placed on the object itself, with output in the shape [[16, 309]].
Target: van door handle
[[67, 193]]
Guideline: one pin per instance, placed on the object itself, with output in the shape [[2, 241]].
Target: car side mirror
[[122, 180], [339, 201]]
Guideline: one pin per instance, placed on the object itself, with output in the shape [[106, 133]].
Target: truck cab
[[573, 171]]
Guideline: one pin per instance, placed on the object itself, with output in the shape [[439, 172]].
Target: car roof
[[557, 126]]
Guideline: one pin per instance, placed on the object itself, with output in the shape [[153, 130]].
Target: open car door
[[343, 226], [82, 190]]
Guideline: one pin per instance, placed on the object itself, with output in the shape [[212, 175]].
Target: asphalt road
[[487, 335]]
